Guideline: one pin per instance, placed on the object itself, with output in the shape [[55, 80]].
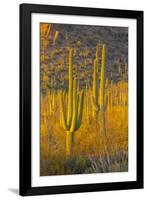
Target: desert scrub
[[65, 166], [117, 162]]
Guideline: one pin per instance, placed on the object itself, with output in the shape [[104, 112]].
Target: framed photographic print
[[81, 99]]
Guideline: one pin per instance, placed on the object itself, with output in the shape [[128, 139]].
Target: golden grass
[[89, 140]]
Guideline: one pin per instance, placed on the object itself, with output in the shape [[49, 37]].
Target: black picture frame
[[25, 187]]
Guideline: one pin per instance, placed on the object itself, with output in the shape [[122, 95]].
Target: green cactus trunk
[[87, 105], [69, 143], [102, 97], [102, 81], [70, 90]]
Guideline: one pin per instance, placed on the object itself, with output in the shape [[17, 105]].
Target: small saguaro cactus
[[52, 102], [56, 35], [48, 31], [71, 120]]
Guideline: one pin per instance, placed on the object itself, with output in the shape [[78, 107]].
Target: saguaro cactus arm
[[95, 81], [75, 108], [80, 109], [63, 114]]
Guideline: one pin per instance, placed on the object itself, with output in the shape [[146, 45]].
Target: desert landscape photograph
[[83, 99]]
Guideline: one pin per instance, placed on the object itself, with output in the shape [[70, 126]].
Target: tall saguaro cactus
[[102, 96], [95, 95], [102, 80], [71, 120], [99, 96]]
